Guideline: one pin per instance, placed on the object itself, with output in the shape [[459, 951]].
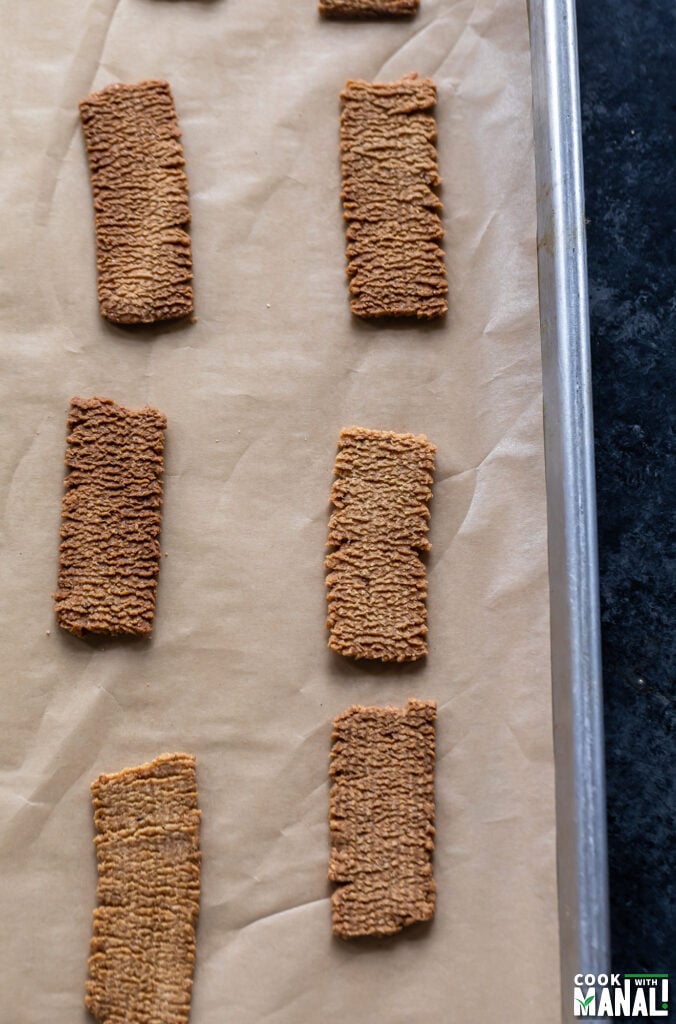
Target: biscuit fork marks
[[382, 818], [147, 850], [140, 189], [376, 585]]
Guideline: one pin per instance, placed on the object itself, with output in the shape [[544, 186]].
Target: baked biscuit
[[148, 857], [395, 262], [367, 8], [382, 818], [111, 515], [143, 252], [376, 585]]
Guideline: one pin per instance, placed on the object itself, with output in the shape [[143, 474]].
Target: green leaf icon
[[584, 1002]]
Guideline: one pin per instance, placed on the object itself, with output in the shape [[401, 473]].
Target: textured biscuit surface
[[389, 167], [376, 585], [147, 851], [367, 8], [111, 514], [382, 818], [140, 191]]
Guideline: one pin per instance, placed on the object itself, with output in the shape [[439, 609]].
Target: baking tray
[[571, 498], [83, 709]]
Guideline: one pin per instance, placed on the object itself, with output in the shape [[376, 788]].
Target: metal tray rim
[[571, 498]]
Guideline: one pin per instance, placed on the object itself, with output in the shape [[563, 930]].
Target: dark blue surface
[[627, 77]]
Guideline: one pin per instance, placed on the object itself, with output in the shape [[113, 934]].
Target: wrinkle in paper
[[255, 393]]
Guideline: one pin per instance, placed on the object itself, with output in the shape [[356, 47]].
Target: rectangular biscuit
[[147, 851], [143, 253], [367, 8], [389, 169], [381, 818], [377, 586], [111, 516]]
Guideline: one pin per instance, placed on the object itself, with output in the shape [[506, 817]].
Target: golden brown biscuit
[[367, 8], [140, 191], [111, 515], [382, 818], [147, 851], [377, 584], [389, 167]]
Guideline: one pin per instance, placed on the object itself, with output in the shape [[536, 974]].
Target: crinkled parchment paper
[[256, 392]]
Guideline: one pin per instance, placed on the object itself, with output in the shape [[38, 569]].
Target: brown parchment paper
[[256, 392]]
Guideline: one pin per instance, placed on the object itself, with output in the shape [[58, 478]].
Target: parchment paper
[[256, 392]]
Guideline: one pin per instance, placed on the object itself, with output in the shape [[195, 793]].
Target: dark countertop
[[628, 76]]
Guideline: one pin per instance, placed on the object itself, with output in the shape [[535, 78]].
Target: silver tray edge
[[571, 498]]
